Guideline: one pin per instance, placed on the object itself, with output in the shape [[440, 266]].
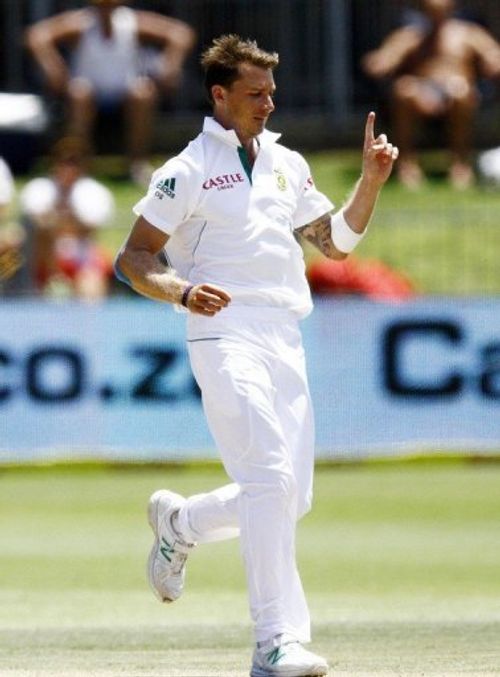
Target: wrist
[[370, 185], [344, 237], [185, 295]]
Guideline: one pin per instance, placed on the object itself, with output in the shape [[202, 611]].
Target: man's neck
[[249, 143], [251, 147]]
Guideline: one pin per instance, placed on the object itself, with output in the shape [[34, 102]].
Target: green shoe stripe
[[275, 655], [166, 550]]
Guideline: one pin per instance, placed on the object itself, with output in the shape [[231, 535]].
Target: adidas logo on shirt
[[167, 187]]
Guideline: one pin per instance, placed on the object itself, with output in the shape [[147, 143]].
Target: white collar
[[211, 126]]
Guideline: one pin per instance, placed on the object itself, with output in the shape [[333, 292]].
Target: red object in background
[[73, 257], [368, 278]]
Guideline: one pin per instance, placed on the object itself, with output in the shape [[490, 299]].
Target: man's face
[[66, 172], [248, 102]]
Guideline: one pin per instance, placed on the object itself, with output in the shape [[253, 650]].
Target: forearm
[[319, 234], [359, 208], [148, 276]]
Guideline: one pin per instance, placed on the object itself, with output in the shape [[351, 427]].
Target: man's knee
[[420, 97], [80, 92], [405, 89], [281, 484], [462, 96], [142, 91]]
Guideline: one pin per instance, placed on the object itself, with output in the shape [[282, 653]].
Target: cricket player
[[226, 212]]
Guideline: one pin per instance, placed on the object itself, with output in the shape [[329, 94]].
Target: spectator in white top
[[65, 212], [104, 70]]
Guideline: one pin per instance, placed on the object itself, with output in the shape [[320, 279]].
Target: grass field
[[444, 241], [401, 564]]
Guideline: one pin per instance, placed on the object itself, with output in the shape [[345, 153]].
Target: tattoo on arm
[[318, 233]]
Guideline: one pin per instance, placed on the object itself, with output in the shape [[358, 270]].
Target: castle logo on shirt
[[223, 182], [165, 187]]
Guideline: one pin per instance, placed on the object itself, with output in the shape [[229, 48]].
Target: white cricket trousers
[[249, 364]]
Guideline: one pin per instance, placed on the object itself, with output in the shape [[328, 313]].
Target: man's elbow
[[191, 36], [31, 39], [184, 38], [337, 255], [37, 37], [119, 267]]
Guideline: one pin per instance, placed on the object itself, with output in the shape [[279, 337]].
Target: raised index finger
[[370, 128]]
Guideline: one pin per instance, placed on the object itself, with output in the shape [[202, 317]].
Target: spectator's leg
[[463, 105], [140, 106], [406, 113], [82, 109]]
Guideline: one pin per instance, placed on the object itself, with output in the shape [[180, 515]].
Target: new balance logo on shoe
[[165, 187], [285, 657], [166, 550], [275, 655]]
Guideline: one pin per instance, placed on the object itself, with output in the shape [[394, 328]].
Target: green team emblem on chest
[[167, 186], [281, 181]]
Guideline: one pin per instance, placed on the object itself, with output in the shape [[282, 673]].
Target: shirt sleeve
[[171, 197], [311, 203]]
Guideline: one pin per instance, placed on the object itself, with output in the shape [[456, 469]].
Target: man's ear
[[218, 94]]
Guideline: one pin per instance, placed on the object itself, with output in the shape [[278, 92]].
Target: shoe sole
[[151, 560], [312, 672]]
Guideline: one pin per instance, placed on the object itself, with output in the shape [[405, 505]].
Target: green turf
[[445, 241], [442, 239], [401, 564]]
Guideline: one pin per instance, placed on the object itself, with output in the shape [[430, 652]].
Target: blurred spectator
[[105, 71], [11, 237], [489, 167], [433, 66], [62, 214], [6, 188]]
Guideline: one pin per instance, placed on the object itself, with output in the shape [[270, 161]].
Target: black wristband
[[185, 294]]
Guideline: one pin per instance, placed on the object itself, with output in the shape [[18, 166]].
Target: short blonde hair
[[222, 59]]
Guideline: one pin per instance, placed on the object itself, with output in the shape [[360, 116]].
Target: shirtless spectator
[[433, 67], [104, 67]]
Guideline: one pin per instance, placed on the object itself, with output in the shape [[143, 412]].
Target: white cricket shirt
[[232, 226]]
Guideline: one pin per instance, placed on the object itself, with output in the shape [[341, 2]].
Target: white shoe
[[285, 657], [167, 560]]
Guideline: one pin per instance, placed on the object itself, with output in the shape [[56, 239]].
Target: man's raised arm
[[338, 234]]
